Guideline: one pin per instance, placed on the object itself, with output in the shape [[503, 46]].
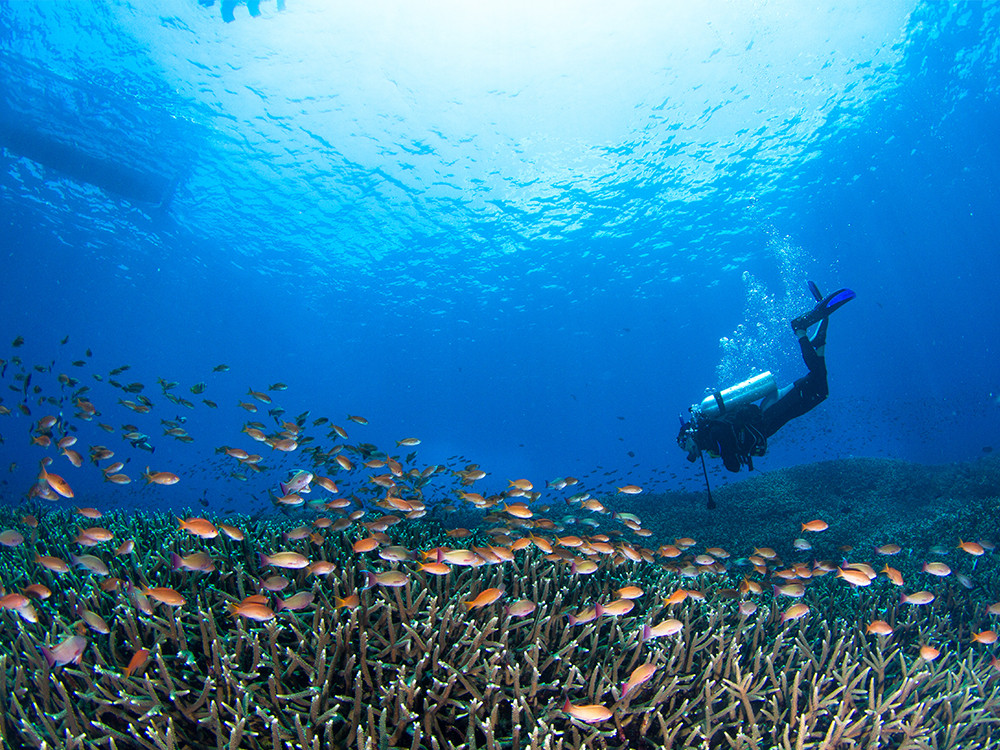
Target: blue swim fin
[[823, 309]]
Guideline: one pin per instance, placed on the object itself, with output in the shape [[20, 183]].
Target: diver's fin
[[816, 293], [826, 306]]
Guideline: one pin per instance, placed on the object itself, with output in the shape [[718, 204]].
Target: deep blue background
[[526, 266]]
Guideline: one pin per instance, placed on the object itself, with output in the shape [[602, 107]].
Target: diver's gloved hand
[[686, 440]]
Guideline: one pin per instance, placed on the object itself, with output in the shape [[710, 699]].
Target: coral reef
[[415, 666]]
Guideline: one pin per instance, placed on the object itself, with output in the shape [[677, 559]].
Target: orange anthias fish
[[92, 563], [894, 575], [349, 602], [97, 533], [125, 548], [368, 544], [435, 568], [936, 569], [160, 477], [390, 578], [70, 650], [794, 590], [642, 673], [676, 598], [196, 561], [485, 598], [57, 483], [615, 609], [667, 627], [521, 608], [795, 612], [815, 525], [854, 577], [94, 621], [879, 627], [13, 601], [10, 538], [167, 596], [288, 560], [929, 653], [321, 568], [232, 532], [55, 564], [252, 610], [590, 713], [199, 527], [518, 510], [136, 662], [37, 591], [629, 592], [973, 548], [297, 601], [583, 567]]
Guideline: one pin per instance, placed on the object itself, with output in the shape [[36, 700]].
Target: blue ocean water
[[530, 237]]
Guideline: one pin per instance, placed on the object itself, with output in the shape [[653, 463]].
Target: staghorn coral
[[414, 667]]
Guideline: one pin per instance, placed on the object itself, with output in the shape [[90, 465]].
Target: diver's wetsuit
[[805, 393]]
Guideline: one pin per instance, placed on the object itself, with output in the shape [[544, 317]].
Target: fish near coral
[[349, 602], [390, 578], [138, 659], [973, 548], [667, 627], [642, 673], [252, 611], [918, 598], [484, 599], [815, 525], [10, 538], [164, 595], [795, 612], [70, 650], [615, 609], [297, 601], [521, 608], [589, 713], [196, 561], [879, 627], [287, 560], [936, 569], [929, 653], [199, 527], [893, 575], [854, 577]]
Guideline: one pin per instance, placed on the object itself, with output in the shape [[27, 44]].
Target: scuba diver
[[728, 424]]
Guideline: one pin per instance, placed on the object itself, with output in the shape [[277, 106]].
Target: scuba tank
[[750, 390]]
